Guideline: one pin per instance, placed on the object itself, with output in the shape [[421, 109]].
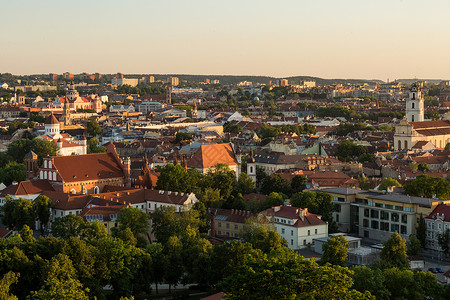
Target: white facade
[[415, 105]]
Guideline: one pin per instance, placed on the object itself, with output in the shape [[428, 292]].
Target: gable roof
[[295, 213], [440, 211], [208, 156], [87, 167], [28, 187]]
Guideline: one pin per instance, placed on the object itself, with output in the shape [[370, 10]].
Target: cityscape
[[196, 151]]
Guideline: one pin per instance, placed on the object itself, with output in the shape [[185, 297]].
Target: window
[[394, 227], [282, 230], [374, 213], [384, 215], [337, 218], [292, 232], [304, 242], [228, 225], [365, 223], [412, 105], [403, 229], [219, 224], [366, 212], [384, 226], [337, 208], [394, 217], [235, 226], [292, 242], [374, 224], [309, 232], [404, 218], [315, 231]]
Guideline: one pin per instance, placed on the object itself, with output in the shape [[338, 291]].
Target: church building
[[413, 129], [67, 145]]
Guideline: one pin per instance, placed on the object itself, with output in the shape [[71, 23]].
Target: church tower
[[415, 105]]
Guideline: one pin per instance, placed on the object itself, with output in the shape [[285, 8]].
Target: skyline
[[349, 39]]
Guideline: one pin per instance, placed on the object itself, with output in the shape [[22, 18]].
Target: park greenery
[[81, 259]]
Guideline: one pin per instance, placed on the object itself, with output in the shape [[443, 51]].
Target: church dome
[[52, 120]]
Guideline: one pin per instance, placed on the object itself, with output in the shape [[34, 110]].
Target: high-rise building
[[53, 77], [173, 81]]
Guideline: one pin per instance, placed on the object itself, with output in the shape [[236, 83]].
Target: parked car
[[432, 270], [439, 270]]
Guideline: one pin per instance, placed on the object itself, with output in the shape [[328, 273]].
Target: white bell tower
[[415, 105]]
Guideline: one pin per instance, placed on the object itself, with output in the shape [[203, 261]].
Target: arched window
[[73, 192], [45, 175], [412, 118], [251, 169], [96, 190], [412, 105], [50, 176], [406, 145], [45, 164], [414, 96], [49, 164], [41, 175], [54, 175]]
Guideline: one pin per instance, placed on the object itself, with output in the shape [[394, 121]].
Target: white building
[[67, 145], [298, 226], [414, 129], [437, 223], [123, 81]]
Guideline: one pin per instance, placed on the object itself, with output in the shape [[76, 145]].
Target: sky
[[370, 39]]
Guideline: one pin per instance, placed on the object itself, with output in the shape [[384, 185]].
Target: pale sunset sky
[[326, 38]]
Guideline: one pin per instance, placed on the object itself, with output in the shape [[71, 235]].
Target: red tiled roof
[[208, 156], [52, 120], [442, 210], [294, 213], [28, 187], [4, 233], [87, 167]]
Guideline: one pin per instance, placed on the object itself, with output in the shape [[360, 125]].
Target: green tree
[[174, 271], [12, 172], [67, 226], [18, 212], [182, 136], [414, 246], [211, 197], [43, 148], [393, 254], [276, 184], [60, 281], [317, 203], [93, 146], [8, 279], [348, 151], [262, 235], [136, 220], [220, 177], [298, 183], [43, 205], [421, 231], [371, 280], [283, 274], [423, 167], [388, 183], [426, 186], [93, 129], [444, 241], [245, 184], [159, 262], [335, 251], [447, 146], [176, 179]]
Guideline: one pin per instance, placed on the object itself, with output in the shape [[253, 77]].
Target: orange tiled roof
[[87, 167], [208, 156], [28, 187]]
